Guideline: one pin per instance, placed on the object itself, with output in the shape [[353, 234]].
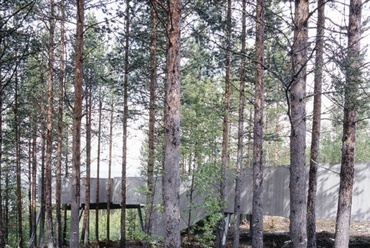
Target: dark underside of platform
[[105, 206]]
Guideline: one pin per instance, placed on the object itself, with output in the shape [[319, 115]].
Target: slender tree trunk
[[64, 237], [18, 167], [316, 124], [65, 176], [49, 131], [297, 114], [172, 127], [34, 181], [6, 207], [239, 159], [29, 182], [225, 124], [60, 130], [257, 204], [98, 168], [109, 184], [277, 131], [42, 170], [152, 109], [85, 226], [190, 195], [250, 140], [1, 161], [124, 138], [77, 115], [351, 104], [266, 124]]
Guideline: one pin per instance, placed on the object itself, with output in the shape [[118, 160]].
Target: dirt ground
[[277, 233]]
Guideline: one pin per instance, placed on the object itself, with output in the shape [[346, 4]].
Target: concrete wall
[[276, 193]]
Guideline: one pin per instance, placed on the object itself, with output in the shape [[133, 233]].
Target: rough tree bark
[[77, 116], [86, 220], [98, 166], [49, 129], [34, 181], [59, 238], [316, 124], [42, 170], [124, 124], [6, 208], [1, 159], [239, 159], [109, 183], [152, 110], [29, 189], [225, 123], [257, 204], [172, 127], [18, 166], [297, 115], [353, 79]]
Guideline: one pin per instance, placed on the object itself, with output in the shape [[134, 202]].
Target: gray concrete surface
[[276, 194]]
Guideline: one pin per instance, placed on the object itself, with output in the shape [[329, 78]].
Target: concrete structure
[[276, 194]]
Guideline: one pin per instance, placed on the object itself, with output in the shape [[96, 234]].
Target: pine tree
[[171, 181], [351, 105], [297, 114], [49, 128], [316, 124], [77, 115], [124, 124], [152, 110], [239, 162], [257, 204]]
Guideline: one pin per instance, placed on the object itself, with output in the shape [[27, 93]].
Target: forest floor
[[276, 235]]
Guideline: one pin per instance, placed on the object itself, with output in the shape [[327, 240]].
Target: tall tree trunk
[[1, 161], [277, 130], [77, 116], [257, 204], [297, 114], [42, 170], [266, 124], [29, 184], [172, 127], [109, 183], [49, 131], [85, 226], [34, 181], [60, 129], [6, 207], [239, 159], [18, 166], [250, 139], [190, 196], [225, 124], [351, 104], [98, 167], [65, 176], [152, 109], [316, 124], [124, 138]]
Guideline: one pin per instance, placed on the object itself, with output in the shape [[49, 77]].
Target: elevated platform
[[275, 196]]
